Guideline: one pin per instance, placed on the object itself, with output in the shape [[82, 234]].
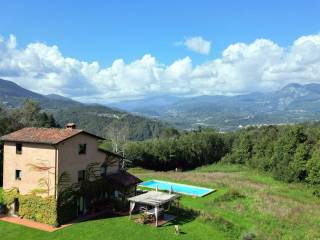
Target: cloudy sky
[[110, 52]]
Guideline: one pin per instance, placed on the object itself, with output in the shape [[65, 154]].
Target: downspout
[[55, 173]]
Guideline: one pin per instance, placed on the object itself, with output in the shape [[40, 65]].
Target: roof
[[153, 198], [111, 153], [50, 136], [123, 178]]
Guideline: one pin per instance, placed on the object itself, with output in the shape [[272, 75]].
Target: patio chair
[[143, 209]]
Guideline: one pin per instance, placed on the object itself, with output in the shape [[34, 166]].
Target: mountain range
[[149, 116], [292, 104], [95, 118]]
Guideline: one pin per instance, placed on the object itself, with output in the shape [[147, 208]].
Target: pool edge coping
[[211, 190]]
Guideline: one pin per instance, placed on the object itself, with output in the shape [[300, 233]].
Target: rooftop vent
[[71, 126]]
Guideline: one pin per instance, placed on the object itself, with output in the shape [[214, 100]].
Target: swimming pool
[[177, 188]]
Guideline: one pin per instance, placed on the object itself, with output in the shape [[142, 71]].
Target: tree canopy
[[28, 115]]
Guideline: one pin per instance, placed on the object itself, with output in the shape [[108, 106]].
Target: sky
[[105, 51]]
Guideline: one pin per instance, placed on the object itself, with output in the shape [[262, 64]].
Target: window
[[82, 148], [18, 148], [18, 174], [103, 171], [81, 175]]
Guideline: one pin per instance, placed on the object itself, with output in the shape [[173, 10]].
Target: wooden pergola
[[153, 198]]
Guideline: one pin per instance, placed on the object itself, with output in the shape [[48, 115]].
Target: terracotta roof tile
[[123, 178], [43, 135]]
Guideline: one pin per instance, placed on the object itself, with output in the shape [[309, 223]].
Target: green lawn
[[245, 202]]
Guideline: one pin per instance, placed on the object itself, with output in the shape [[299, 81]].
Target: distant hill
[[293, 103], [149, 102], [11, 93], [58, 97], [94, 118]]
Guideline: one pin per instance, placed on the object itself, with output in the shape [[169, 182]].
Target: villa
[[38, 158]]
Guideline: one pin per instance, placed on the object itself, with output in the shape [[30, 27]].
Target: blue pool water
[[177, 188]]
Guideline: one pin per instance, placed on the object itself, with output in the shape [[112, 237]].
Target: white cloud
[[198, 45], [259, 66]]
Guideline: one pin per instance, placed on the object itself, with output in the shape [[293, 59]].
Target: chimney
[[70, 126]]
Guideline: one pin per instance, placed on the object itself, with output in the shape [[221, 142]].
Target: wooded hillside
[[290, 153]]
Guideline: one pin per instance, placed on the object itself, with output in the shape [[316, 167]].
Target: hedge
[[39, 209], [31, 206]]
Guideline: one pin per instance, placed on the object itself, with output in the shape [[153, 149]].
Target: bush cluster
[[230, 195], [1, 196], [39, 209], [9, 196]]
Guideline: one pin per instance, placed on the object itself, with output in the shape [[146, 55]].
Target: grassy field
[[246, 203]]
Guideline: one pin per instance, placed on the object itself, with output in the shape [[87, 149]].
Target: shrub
[[39, 209], [249, 236], [9, 196], [230, 195], [316, 193], [1, 196], [313, 167], [67, 212], [33, 207]]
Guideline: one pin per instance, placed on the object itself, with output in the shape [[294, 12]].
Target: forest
[[290, 153], [179, 150], [106, 122]]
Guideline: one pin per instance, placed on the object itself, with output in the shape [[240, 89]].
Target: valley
[[293, 103]]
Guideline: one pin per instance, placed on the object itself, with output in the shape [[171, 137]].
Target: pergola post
[[156, 210], [132, 204]]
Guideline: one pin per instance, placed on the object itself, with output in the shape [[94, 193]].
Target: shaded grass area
[[246, 205]]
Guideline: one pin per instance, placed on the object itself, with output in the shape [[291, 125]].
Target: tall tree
[[118, 133], [298, 166], [313, 166], [243, 149], [284, 152], [30, 115]]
